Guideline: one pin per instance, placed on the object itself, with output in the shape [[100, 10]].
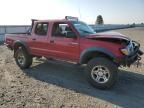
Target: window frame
[[42, 24], [59, 23]]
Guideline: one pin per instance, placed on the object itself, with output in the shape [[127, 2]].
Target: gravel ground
[[56, 84]]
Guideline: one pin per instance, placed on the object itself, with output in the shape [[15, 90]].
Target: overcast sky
[[17, 12]]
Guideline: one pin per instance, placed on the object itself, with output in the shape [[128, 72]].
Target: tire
[[101, 73], [22, 58]]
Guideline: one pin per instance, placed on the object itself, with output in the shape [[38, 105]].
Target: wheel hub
[[21, 59], [100, 74]]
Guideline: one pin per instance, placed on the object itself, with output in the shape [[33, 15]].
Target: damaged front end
[[130, 50], [132, 54]]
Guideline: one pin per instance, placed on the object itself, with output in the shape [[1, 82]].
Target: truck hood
[[108, 35]]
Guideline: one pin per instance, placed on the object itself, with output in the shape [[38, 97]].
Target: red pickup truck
[[72, 40]]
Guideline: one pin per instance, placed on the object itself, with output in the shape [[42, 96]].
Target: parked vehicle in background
[[73, 40]]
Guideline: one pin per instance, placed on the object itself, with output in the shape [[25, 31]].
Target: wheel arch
[[93, 52], [18, 44]]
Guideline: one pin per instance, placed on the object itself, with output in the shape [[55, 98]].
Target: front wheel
[[22, 58], [101, 73]]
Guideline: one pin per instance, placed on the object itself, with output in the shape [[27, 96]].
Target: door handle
[[51, 41], [73, 43], [34, 39]]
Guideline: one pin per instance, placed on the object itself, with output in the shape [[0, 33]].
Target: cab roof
[[53, 20], [67, 19]]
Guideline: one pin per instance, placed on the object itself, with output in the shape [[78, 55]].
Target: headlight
[[125, 51], [128, 49]]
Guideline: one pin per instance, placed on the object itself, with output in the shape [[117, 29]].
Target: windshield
[[83, 28]]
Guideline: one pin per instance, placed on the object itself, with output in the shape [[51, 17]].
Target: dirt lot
[[55, 84]]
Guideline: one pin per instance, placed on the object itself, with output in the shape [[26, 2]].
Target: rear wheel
[[22, 58], [101, 73]]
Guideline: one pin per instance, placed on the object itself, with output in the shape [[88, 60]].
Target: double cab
[[72, 40]]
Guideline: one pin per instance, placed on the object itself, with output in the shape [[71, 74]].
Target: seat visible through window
[[41, 28]]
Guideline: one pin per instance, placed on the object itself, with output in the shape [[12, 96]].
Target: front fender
[[86, 52]]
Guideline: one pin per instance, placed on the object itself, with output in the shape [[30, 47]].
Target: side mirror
[[71, 34]]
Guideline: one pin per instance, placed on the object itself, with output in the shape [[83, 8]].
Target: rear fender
[[18, 43]]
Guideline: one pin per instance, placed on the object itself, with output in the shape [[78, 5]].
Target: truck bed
[[10, 38]]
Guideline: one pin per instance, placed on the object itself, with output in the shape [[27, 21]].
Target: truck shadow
[[128, 91]]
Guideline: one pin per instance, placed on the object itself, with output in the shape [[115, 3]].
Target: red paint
[[62, 48]]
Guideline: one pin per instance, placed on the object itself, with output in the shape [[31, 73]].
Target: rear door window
[[41, 29]]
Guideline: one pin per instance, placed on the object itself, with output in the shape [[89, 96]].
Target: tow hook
[[138, 61]]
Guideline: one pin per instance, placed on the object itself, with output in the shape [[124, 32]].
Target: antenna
[[79, 11]]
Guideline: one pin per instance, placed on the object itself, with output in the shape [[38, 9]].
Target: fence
[[24, 28], [12, 29], [106, 27]]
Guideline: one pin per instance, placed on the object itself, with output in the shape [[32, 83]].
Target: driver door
[[64, 44]]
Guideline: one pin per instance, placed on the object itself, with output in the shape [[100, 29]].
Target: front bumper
[[128, 60], [135, 56]]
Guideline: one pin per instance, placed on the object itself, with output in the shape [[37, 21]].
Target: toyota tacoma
[[72, 40]]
